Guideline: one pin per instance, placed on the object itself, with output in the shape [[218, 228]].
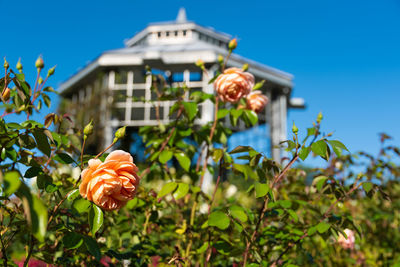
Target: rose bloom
[[256, 101], [349, 242], [233, 84], [112, 183]]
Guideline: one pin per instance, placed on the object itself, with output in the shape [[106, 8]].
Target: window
[[184, 32], [158, 34], [176, 33], [121, 77], [118, 114], [137, 114], [195, 76], [153, 113], [167, 34]]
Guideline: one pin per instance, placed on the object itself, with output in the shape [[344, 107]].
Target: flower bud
[[19, 65], [6, 94], [245, 67], [295, 130], [39, 64], [6, 65], [200, 64], [319, 118], [40, 81], [232, 44], [120, 133], [220, 59], [51, 71], [88, 130]]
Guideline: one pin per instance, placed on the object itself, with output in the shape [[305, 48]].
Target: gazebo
[[107, 87]]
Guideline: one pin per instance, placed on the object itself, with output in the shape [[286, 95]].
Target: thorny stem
[[226, 60], [276, 180]]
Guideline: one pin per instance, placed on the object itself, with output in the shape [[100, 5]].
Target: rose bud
[[39, 64], [232, 44], [347, 243], [6, 94], [256, 101], [112, 183], [233, 84]]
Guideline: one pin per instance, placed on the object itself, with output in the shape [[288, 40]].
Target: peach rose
[[349, 242], [112, 183], [233, 84], [256, 101]]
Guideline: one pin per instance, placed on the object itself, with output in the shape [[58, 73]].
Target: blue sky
[[345, 55]]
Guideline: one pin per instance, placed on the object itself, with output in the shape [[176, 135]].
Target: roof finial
[[181, 18]]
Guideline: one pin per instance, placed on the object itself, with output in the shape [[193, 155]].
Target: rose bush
[[259, 212]]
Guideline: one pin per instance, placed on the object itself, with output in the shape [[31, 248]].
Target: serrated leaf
[[181, 191], [64, 158], [166, 189], [261, 189], [303, 154], [319, 148], [81, 205], [191, 109], [293, 214], [42, 142], [92, 247], [252, 116], [367, 186], [72, 240], [337, 143], [219, 219], [73, 194], [183, 160], [238, 213], [222, 113], [95, 218], [165, 156], [322, 227], [319, 181]]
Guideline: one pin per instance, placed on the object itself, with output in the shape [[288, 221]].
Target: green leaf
[[217, 154], [322, 227], [181, 191], [219, 219], [238, 213], [319, 148], [42, 142], [72, 240], [183, 160], [285, 203], [95, 218], [35, 210], [165, 156], [337, 143], [81, 205], [293, 215], [92, 247], [235, 114], [46, 100], [252, 116], [246, 170], [32, 172], [240, 149], [64, 158], [166, 189], [222, 113], [191, 109], [261, 189], [73, 194], [367, 186], [312, 230], [319, 181], [11, 182], [303, 154]]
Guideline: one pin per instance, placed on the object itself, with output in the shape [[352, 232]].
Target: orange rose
[[233, 84], [112, 183], [256, 101], [347, 243]]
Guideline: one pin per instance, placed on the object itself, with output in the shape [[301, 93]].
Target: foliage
[[279, 214]]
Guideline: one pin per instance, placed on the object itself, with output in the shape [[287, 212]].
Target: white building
[[104, 88]]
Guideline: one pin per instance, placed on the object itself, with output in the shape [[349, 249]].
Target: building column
[[106, 102], [278, 124]]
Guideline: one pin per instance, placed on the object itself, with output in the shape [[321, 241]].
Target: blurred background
[[344, 55]]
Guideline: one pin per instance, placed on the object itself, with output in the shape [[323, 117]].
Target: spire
[[181, 18]]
